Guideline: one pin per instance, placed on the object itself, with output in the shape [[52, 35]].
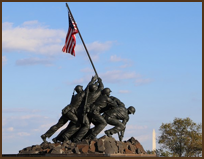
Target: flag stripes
[[70, 41]]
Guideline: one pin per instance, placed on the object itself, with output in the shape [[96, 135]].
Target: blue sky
[[148, 54]]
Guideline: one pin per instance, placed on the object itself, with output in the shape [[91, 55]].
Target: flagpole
[[82, 41]]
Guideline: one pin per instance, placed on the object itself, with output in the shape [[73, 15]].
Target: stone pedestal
[[78, 155], [104, 146]]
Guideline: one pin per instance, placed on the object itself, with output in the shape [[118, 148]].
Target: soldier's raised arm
[[93, 79], [125, 120], [100, 86]]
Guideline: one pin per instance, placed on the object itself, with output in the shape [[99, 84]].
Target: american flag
[[70, 41]]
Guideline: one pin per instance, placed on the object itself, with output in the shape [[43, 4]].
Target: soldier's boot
[[75, 140], [91, 137], [54, 140], [66, 140], [113, 130], [107, 132], [81, 133], [44, 137]]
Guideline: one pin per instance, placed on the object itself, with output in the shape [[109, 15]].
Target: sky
[[148, 53]]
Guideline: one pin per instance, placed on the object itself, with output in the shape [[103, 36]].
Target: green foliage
[[182, 137], [160, 153], [149, 152]]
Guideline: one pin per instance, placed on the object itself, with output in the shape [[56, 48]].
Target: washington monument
[[153, 140]]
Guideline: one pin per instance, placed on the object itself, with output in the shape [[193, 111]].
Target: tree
[[182, 137], [159, 153]]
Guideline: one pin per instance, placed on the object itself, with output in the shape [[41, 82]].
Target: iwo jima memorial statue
[[90, 105]]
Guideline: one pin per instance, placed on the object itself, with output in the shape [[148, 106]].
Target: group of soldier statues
[[91, 105]]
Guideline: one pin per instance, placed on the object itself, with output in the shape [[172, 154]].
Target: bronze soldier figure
[[119, 103], [113, 117], [95, 113], [69, 112], [94, 93]]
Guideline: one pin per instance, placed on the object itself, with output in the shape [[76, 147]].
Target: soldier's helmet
[[78, 89], [131, 110], [106, 91], [93, 87]]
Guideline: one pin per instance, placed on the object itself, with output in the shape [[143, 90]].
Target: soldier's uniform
[[113, 117], [119, 103], [92, 97], [68, 113], [73, 127], [95, 114]]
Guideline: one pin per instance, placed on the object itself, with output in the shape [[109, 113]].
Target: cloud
[[34, 61], [127, 62], [141, 81], [126, 65], [32, 36], [10, 129], [47, 125], [31, 24], [78, 81], [21, 117], [139, 132], [118, 75], [136, 127], [23, 134], [115, 58], [7, 25], [124, 91], [99, 47], [26, 124], [95, 48], [44, 126], [26, 127], [4, 60], [28, 117], [113, 76], [84, 80], [87, 70], [17, 110]]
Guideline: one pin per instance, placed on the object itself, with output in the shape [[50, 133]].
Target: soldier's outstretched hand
[[94, 78], [99, 79]]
